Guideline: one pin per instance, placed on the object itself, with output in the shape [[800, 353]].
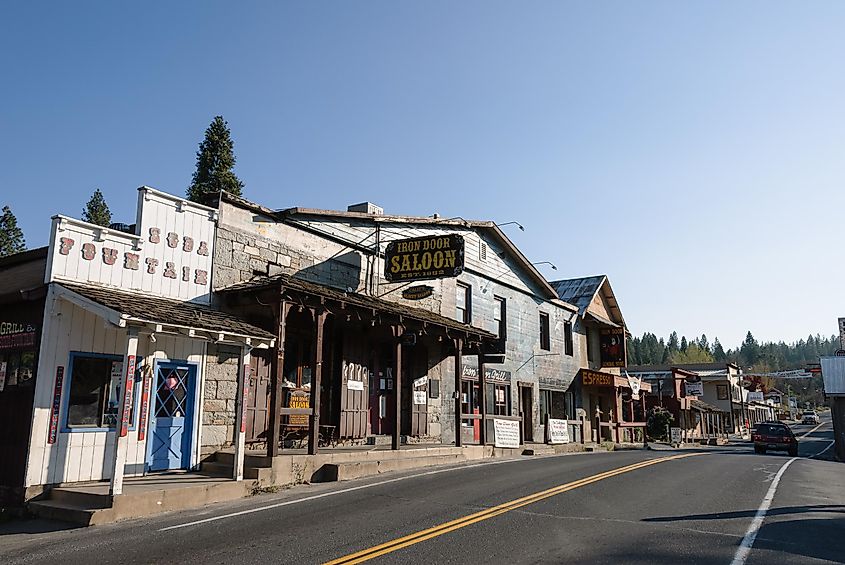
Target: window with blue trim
[[95, 391]]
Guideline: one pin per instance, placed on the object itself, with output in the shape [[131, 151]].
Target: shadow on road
[[833, 508], [33, 526]]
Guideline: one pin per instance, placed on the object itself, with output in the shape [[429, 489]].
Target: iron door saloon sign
[[422, 258]]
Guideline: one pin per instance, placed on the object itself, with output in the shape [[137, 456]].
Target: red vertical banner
[[57, 403], [145, 406], [128, 389], [245, 397]]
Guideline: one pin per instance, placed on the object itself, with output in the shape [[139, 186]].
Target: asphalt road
[[623, 507]]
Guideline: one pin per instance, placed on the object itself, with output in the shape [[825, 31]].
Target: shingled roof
[[355, 299], [148, 309]]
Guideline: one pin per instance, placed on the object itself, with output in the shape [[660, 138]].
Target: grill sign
[[422, 258]]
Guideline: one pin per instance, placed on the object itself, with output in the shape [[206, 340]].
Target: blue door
[[172, 423]]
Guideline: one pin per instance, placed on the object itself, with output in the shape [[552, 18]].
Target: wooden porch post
[[314, 423], [278, 369], [459, 369], [122, 427], [482, 397], [240, 413], [397, 388]]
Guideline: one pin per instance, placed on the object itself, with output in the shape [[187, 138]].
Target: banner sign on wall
[[612, 345], [127, 395], [421, 258], [57, 403], [558, 431], [16, 336], [145, 404], [490, 375], [506, 432]]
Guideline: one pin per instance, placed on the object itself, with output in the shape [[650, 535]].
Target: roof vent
[[366, 208]]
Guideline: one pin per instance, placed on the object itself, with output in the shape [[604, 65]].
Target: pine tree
[[703, 343], [215, 160], [97, 211], [684, 343], [11, 236], [718, 351], [672, 345]]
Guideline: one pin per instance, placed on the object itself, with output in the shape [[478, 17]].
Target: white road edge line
[[343, 491], [814, 429], [751, 534]]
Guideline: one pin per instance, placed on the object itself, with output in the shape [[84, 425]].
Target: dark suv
[[774, 436]]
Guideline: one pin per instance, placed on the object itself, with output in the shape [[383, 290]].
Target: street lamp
[[517, 224], [546, 263]]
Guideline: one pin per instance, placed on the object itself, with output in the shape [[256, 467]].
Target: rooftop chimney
[[366, 208]]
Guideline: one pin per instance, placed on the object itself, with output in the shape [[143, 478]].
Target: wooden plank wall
[[87, 456]]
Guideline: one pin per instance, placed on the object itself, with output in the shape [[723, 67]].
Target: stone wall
[[219, 397]]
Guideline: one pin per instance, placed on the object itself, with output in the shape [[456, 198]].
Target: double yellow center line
[[422, 535]]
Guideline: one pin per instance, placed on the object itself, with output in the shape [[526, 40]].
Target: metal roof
[[581, 292], [833, 373]]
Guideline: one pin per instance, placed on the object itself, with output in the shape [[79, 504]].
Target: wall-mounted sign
[[552, 383], [490, 375], [612, 342], [14, 335], [558, 431], [355, 385], [2, 375], [145, 404], [57, 403], [169, 256], [417, 292], [421, 258], [594, 378], [506, 432], [127, 395]]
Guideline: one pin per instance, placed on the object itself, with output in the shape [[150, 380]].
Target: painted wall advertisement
[[558, 431], [612, 344], [506, 432]]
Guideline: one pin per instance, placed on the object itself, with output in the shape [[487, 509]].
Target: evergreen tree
[[673, 345], [718, 351], [97, 211], [703, 343], [215, 160], [11, 236], [750, 350], [684, 343]]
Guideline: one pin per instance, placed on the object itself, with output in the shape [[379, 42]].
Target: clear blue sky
[[691, 151]]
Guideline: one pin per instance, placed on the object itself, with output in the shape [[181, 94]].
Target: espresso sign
[[594, 378], [421, 258]]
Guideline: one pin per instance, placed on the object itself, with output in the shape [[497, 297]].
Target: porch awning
[[703, 406], [161, 314], [287, 283]]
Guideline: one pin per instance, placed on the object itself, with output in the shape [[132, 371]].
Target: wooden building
[[125, 322]]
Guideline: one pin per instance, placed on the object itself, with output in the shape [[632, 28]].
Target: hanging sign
[[417, 292], [422, 258], [355, 385], [419, 397], [127, 396], [612, 342], [145, 405], [506, 432], [755, 396], [298, 399], [634, 383], [57, 402], [558, 431]]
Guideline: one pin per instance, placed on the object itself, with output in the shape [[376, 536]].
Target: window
[[722, 392], [499, 399], [17, 368], [545, 343], [463, 303], [94, 394], [500, 317], [567, 339], [552, 405]]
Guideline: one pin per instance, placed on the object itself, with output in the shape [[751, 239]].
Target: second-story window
[[569, 349], [500, 317], [545, 341], [463, 303]]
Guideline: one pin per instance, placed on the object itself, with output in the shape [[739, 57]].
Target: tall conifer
[[215, 160], [97, 211], [11, 236]]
